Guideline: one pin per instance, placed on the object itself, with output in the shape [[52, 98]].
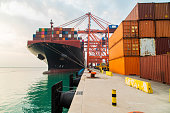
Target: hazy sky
[[19, 19]]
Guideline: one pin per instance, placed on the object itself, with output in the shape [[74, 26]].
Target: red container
[[56, 28], [146, 11], [162, 45], [133, 15], [156, 68], [162, 10], [163, 28], [142, 11], [147, 28]]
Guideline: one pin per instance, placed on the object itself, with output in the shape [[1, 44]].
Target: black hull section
[[59, 57]]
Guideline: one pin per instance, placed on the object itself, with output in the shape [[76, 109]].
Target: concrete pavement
[[94, 95]]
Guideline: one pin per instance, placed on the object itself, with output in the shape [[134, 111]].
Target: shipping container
[[66, 38], [147, 47], [163, 28], [146, 11], [34, 35], [60, 28], [45, 33], [69, 35], [57, 32], [126, 47], [75, 35], [72, 29], [162, 10], [125, 66], [162, 45], [113, 26], [42, 36], [156, 68], [146, 28], [133, 15], [42, 32], [142, 11], [63, 32], [150, 11], [60, 35], [127, 29], [56, 28], [66, 32]]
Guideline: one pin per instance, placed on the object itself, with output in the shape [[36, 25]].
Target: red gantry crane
[[96, 45]]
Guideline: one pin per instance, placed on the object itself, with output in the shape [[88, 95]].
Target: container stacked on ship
[[57, 34], [152, 32]]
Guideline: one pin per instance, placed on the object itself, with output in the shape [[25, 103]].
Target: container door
[[147, 47]]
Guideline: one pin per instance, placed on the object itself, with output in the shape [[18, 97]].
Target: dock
[[94, 95]]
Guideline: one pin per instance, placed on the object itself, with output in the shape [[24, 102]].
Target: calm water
[[28, 90]]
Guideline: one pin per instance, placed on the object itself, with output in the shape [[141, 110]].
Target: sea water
[[27, 90]]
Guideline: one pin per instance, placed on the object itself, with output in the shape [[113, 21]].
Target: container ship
[[60, 48]]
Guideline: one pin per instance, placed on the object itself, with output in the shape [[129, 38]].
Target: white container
[[147, 47], [69, 35], [75, 35], [60, 35]]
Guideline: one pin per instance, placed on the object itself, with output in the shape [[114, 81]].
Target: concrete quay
[[94, 95]]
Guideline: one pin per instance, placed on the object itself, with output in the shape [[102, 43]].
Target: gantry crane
[[96, 45]]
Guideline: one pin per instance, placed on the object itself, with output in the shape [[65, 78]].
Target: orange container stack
[[124, 49], [141, 34]]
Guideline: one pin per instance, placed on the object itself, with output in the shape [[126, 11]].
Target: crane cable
[[58, 52], [80, 22], [72, 21]]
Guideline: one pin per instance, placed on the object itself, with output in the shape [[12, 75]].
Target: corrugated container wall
[[162, 45], [125, 66], [127, 29], [147, 47], [156, 68], [146, 11], [142, 11], [146, 28], [163, 28], [133, 14], [126, 47], [150, 11], [162, 10]]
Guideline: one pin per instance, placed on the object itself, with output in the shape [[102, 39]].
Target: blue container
[[66, 38], [103, 38], [34, 35], [45, 33], [75, 32], [63, 32], [66, 32], [113, 26]]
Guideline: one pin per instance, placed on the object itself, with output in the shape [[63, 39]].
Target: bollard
[[114, 98], [71, 82], [102, 72], [169, 95], [93, 74], [77, 75]]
